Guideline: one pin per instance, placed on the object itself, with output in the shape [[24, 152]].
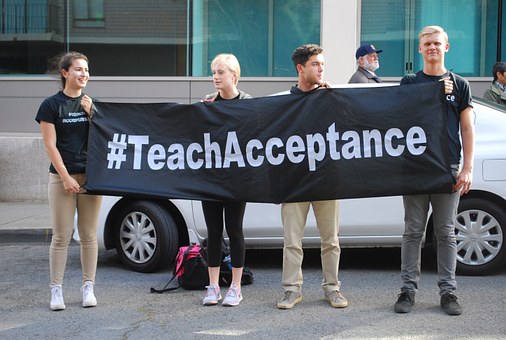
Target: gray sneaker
[[213, 295], [233, 297], [450, 305], [405, 302], [289, 300], [336, 299]]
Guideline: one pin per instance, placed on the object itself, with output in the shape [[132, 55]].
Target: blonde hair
[[230, 61], [431, 30]]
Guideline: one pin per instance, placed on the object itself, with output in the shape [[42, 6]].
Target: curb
[[25, 236]]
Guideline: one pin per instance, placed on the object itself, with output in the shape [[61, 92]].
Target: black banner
[[329, 144]]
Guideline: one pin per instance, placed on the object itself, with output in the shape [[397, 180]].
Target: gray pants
[[416, 207]]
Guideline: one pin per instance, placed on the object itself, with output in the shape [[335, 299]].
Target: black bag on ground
[[226, 267], [190, 270], [226, 273]]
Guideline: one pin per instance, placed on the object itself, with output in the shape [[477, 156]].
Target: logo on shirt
[[450, 97]]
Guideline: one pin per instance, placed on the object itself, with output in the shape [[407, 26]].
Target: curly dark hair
[[302, 53]]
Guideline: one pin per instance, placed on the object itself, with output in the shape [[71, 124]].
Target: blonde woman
[[226, 72]]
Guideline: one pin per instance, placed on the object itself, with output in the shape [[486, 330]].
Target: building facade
[[160, 50]]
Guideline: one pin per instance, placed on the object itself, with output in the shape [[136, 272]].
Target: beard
[[371, 66]]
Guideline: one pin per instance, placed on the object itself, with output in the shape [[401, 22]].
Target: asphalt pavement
[[127, 310]]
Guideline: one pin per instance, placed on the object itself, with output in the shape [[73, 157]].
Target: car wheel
[[480, 232], [147, 238]]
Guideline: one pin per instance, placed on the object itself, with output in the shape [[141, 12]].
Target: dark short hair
[[302, 53], [498, 67]]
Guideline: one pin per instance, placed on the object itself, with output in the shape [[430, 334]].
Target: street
[[127, 310]]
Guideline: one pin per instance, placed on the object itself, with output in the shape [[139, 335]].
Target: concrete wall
[[23, 168]]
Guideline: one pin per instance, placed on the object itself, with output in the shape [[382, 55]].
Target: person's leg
[[213, 214], [327, 221], [445, 209], [63, 208], [88, 208], [294, 217], [415, 218], [234, 215]]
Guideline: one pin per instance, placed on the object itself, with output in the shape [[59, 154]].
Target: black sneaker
[[405, 302], [450, 305]]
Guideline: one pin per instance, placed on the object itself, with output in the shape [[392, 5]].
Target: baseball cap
[[366, 49]]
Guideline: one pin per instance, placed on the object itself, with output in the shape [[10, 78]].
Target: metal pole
[[499, 29]]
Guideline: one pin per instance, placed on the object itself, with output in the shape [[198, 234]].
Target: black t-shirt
[[457, 102], [72, 126]]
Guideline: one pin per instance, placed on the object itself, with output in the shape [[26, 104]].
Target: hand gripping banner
[[327, 144]]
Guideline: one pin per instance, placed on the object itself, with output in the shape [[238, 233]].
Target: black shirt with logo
[[72, 127], [456, 102]]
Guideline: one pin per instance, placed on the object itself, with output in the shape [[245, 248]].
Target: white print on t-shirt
[[79, 117]]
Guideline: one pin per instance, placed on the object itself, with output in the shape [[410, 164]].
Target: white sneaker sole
[[89, 304], [57, 307], [231, 304]]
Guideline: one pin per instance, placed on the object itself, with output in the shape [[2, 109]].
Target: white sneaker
[[57, 298], [233, 297], [89, 299], [213, 295]]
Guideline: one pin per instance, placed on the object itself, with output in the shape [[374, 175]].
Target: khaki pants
[[294, 217], [63, 207]]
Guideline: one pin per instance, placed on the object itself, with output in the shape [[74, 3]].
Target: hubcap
[[479, 237], [138, 237]]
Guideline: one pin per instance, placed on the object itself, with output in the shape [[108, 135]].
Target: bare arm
[[467, 130], [49, 136]]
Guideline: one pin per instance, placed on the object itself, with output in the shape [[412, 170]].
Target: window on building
[[88, 13], [261, 34], [156, 38], [472, 26]]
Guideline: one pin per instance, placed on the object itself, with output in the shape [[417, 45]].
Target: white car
[[148, 233]]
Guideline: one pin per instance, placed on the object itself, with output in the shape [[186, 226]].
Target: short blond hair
[[431, 30], [230, 61]]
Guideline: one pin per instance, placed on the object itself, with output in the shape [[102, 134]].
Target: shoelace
[[334, 295], [288, 295], [405, 296], [212, 290], [87, 289], [452, 298], [57, 292], [232, 292]]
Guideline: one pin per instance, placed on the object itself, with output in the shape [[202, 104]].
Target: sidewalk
[[24, 221]]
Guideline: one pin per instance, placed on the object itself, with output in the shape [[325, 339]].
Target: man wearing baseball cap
[[368, 62]]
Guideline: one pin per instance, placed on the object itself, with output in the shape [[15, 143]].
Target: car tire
[[147, 236], [480, 231]]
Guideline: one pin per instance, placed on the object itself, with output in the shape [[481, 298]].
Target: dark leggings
[[234, 213]]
